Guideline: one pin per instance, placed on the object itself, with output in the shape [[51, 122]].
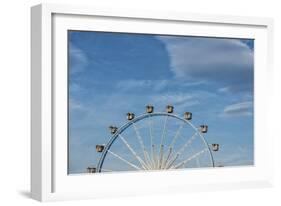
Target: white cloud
[[225, 61], [239, 109]]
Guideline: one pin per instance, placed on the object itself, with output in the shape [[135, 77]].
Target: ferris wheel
[[155, 141]]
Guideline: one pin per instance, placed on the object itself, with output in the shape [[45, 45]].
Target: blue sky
[[111, 74]]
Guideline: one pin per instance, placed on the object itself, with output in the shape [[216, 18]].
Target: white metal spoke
[[161, 157], [161, 144], [144, 166], [150, 132], [173, 142], [183, 147], [139, 138], [197, 160], [151, 140], [187, 143], [164, 131], [148, 160], [167, 158], [122, 159], [190, 158], [154, 157], [176, 135], [170, 164], [145, 154]]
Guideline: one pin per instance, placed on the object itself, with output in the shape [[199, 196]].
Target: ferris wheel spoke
[[164, 131], [147, 160], [150, 160], [141, 161], [123, 160], [170, 164], [173, 142], [150, 133], [197, 160], [167, 158], [190, 158], [154, 158], [181, 150], [176, 135], [152, 153], [161, 157], [139, 137], [161, 150]]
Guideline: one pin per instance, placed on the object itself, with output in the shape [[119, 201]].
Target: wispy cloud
[[78, 59], [74, 104], [239, 109], [133, 84], [235, 156], [179, 100], [156, 85], [75, 88]]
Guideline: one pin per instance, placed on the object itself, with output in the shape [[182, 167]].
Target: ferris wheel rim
[[139, 118]]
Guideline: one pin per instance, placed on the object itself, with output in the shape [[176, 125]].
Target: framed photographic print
[[135, 102]]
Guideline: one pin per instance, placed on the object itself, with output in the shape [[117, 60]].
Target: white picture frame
[[49, 178]]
